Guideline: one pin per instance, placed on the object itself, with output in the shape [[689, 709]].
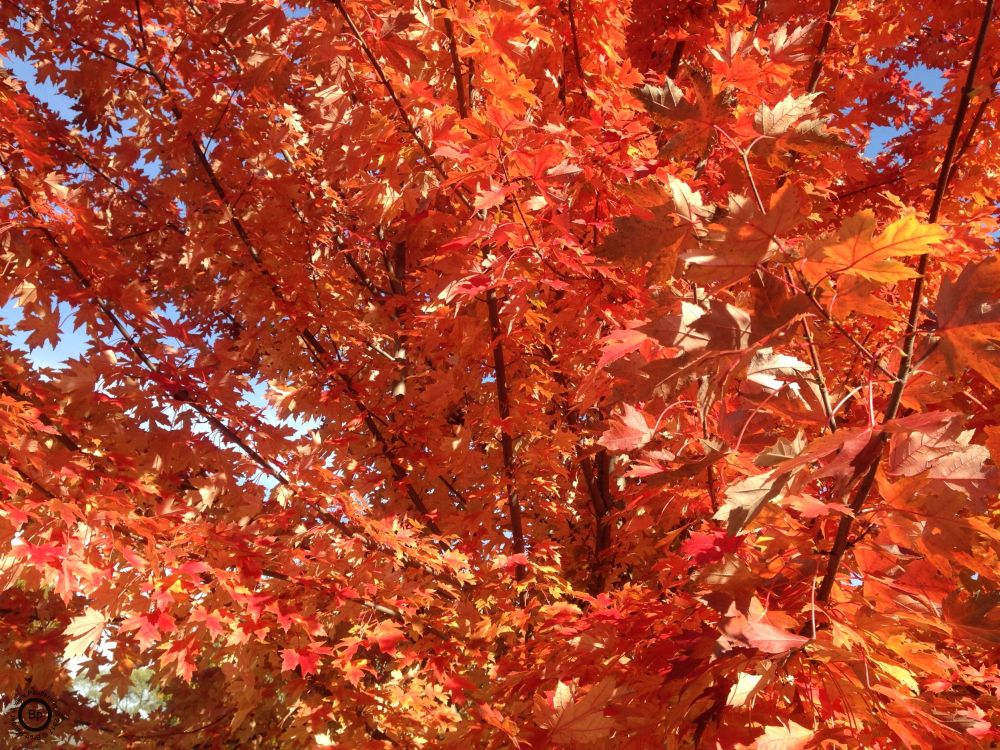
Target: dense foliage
[[614, 397]]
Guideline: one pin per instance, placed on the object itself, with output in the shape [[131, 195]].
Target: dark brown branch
[[895, 399], [398, 470], [391, 91], [506, 441], [824, 41], [589, 478], [758, 15], [462, 502], [133, 344], [675, 60], [575, 39], [314, 348], [363, 277], [456, 63], [939, 193], [977, 118]]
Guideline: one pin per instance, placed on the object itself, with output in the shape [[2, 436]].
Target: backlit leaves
[[776, 120], [858, 251], [968, 314], [578, 720], [487, 375], [665, 102], [734, 246], [784, 737], [667, 221], [627, 432], [83, 632]]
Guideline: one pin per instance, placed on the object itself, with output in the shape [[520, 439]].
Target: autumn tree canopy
[[502, 374]]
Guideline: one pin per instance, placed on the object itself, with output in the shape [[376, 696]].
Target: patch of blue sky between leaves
[[71, 344], [44, 91], [295, 10], [62, 104], [932, 81]]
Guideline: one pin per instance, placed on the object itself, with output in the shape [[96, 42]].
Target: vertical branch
[[599, 498], [824, 40], [675, 60], [456, 63], [597, 479], [940, 191], [604, 477], [391, 91], [574, 37], [824, 392], [397, 280], [506, 441], [603, 540], [895, 399], [710, 482], [758, 15]]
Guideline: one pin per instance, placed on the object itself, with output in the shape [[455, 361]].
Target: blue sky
[[930, 79], [73, 343]]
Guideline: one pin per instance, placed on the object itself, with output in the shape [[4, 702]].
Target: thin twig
[[810, 293], [391, 91], [807, 333], [895, 398]]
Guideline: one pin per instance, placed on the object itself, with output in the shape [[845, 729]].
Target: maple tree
[[615, 397]]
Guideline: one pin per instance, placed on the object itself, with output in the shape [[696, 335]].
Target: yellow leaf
[[857, 251], [776, 120], [83, 631], [580, 721], [791, 737], [900, 675], [742, 688]]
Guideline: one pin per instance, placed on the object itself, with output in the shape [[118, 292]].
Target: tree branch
[[391, 91], [182, 395], [506, 441], [571, 12], [456, 63], [824, 40], [895, 398]]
